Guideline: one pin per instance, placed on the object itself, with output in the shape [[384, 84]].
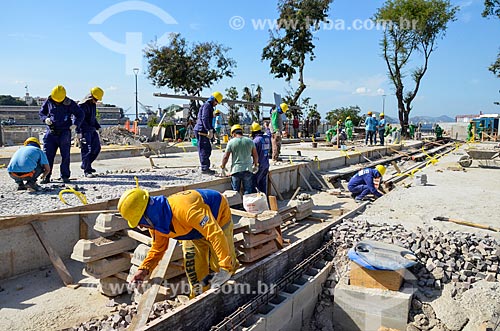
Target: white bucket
[[420, 179]]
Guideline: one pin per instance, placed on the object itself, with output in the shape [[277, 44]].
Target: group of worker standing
[[60, 114]]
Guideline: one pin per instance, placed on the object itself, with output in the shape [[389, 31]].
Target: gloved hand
[[73, 127], [100, 130], [48, 121], [255, 168], [139, 276], [79, 136], [210, 134], [220, 278]]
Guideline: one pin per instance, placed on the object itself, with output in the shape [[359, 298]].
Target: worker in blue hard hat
[[200, 218], [363, 182], [59, 113]]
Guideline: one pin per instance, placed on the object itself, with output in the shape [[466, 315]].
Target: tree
[[8, 100], [492, 8], [232, 94], [411, 26], [291, 44], [250, 96], [341, 113], [188, 68]]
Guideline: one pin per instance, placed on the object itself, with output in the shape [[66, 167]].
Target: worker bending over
[[200, 218], [362, 183], [262, 145]]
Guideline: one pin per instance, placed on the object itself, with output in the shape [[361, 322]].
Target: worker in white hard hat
[[363, 182], [90, 143], [200, 218]]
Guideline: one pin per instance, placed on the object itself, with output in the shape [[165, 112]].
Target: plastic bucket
[[194, 141], [225, 138]]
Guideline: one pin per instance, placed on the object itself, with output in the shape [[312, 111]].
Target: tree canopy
[[8, 100], [341, 114], [412, 28], [291, 44], [492, 8], [253, 96], [232, 94]]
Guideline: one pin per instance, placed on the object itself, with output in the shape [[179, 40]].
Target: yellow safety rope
[[78, 194]]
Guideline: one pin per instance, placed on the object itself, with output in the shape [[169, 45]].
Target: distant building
[[466, 118]]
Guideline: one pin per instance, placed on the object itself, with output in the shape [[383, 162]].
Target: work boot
[[32, 187], [208, 172], [66, 180], [21, 187], [92, 170], [89, 175], [46, 180]]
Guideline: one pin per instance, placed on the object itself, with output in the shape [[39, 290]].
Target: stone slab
[[304, 208], [112, 286], [108, 266], [92, 250], [233, 197], [248, 240], [110, 223], [265, 221]]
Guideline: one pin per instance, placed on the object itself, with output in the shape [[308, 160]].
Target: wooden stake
[[395, 165], [294, 195], [305, 180], [316, 176], [275, 188], [273, 203]]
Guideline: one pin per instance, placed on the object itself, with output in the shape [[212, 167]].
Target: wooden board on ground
[[147, 301], [382, 279], [61, 269]]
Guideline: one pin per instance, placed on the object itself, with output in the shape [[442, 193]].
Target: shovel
[[474, 225]]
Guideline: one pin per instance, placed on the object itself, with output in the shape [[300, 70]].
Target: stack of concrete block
[[304, 206], [255, 237], [233, 197]]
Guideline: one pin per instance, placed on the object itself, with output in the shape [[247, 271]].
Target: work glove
[[73, 127], [255, 168], [220, 278], [224, 170], [100, 130], [210, 134], [48, 121]]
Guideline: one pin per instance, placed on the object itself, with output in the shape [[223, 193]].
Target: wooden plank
[[316, 177], [61, 269], [84, 229], [294, 195], [395, 165], [242, 213], [305, 180], [148, 299], [137, 236], [273, 203], [275, 188]]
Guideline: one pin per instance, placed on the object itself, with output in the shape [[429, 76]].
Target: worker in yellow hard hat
[[370, 128], [27, 164], [349, 127], [362, 183], [381, 128], [244, 160], [90, 144], [200, 218], [59, 113], [262, 145], [204, 131], [277, 128]]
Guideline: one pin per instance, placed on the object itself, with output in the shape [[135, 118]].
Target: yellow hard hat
[[348, 118], [284, 107], [132, 205], [217, 111], [97, 93], [381, 115], [381, 169], [32, 140], [236, 127], [369, 113], [218, 96], [58, 93], [255, 127]]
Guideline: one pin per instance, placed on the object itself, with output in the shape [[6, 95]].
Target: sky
[[81, 44]]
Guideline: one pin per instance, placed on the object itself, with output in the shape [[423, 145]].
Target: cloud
[[195, 26], [111, 88], [335, 85], [362, 91], [365, 86], [369, 92]]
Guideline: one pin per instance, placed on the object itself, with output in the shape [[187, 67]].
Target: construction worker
[[370, 127], [90, 143], [330, 133], [375, 122], [200, 218], [480, 132], [59, 113], [349, 127], [381, 128], [277, 128], [411, 129], [27, 164], [362, 183], [262, 145], [217, 124], [244, 160], [439, 132], [204, 131], [470, 132]]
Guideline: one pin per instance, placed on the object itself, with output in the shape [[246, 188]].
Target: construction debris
[[117, 135]]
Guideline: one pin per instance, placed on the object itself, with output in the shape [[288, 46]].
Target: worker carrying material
[[362, 183], [200, 218], [204, 131], [90, 143], [27, 164], [59, 113]]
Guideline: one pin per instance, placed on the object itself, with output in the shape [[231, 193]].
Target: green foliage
[[311, 111], [232, 94], [153, 121], [492, 8], [291, 45], [341, 114], [414, 27], [8, 100], [253, 96], [97, 115]]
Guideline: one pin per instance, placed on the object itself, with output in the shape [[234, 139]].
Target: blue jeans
[[32, 179], [245, 177], [369, 136]]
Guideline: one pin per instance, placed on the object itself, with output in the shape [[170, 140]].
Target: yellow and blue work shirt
[[188, 215]]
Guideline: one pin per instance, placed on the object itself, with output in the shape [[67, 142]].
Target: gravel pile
[[106, 186], [453, 268], [116, 135]]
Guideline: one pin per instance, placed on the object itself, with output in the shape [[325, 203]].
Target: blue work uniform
[[370, 127], [27, 164], [362, 183], [263, 145], [58, 135], [90, 144], [381, 130], [203, 125]]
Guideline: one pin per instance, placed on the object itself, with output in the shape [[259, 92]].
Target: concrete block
[[258, 252], [233, 197], [278, 312], [248, 240], [265, 221], [108, 266], [110, 223], [96, 249], [304, 208], [112, 286], [142, 250], [360, 308], [254, 323]]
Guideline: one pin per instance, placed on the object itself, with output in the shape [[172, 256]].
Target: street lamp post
[[253, 107], [383, 103], [136, 72]]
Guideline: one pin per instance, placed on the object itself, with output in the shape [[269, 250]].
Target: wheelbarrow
[[485, 158], [156, 147]]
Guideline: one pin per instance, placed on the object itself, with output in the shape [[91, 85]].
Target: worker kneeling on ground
[[362, 183], [27, 164], [200, 218]]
